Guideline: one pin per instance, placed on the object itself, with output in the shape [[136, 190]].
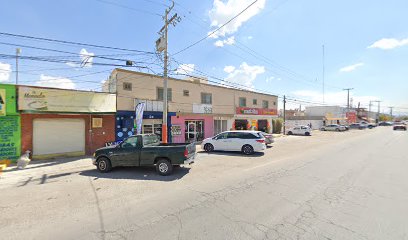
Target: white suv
[[300, 130], [247, 142]]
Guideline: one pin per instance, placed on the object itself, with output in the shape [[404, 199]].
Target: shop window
[[255, 102], [220, 126], [186, 93], [160, 94], [127, 86], [265, 104], [241, 124], [242, 102], [206, 98]]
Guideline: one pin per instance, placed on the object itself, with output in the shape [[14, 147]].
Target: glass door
[[194, 130]]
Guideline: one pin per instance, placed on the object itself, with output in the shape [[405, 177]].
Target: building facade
[[197, 110], [57, 122]]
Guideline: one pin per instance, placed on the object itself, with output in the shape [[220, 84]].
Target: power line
[[72, 43], [216, 30], [129, 8]]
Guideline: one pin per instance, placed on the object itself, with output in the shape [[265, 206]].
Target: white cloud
[[222, 43], [5, 71], [222, 12], [269, 79], [229, 69], [244, 74], [185, 68], [57, 82], [389, 43], [86, 59], [351, 67]]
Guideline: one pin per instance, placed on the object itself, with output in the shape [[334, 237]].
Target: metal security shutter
[[57, 136]]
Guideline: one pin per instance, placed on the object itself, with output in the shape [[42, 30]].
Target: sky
[[272, 46]]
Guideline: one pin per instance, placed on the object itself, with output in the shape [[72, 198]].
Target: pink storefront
[[191, 128]]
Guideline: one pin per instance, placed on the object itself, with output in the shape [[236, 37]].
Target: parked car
[[247, 142], [333, 127], [346, 127], [400, 127], [268, 138], [371, 125], [145, 150], [357, 126], [385, 124], [300, 130]]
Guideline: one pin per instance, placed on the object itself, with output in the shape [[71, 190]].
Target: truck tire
[[104, 165], [208, 147], [164, 167], [247, 149]]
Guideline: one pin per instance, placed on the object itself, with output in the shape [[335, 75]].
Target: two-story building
[[197, 110]]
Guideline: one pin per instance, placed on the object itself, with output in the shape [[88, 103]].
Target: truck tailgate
[[191, 149]]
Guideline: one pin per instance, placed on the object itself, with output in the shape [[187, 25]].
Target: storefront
[[10, 131], [254, 119], [152, 123], [58, 122], [191, 128]]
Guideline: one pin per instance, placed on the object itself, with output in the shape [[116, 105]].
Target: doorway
[[262, 125], [194, 130], [241, 124]]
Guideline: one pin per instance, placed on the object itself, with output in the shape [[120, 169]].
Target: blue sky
[[275, 46]]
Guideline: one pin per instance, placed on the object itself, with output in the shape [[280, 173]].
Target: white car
[[300, 130], [333, 127], [247, 142]]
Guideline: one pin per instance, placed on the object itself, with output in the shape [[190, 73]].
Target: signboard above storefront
[[256, 111], [202, 108], [59, 100]]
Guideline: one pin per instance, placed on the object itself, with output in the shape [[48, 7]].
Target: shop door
[[58, 136], [241, 124], [262, 125], [194, 130]]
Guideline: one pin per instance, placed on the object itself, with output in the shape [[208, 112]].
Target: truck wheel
[[104, 165], [164, 167], [208, 147], [247, 149]]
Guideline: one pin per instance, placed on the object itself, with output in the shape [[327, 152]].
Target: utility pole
[[323, 68], [378, 110], [284, 115], [18, 51], [391, 111], [161, 45], [348, 97]]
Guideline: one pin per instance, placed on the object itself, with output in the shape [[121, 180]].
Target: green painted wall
[[10, 126]]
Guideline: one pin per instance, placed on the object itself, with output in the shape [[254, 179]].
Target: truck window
[[151, 140], [130, 142]]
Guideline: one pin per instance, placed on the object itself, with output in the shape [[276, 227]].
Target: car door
[[220, 141], [127, 154], [234, 141], [296, 130]]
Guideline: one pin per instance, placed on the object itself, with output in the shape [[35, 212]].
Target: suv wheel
[[290, 133], [164, 167], [247, 149], [208, 147], [307, 133], [338, 129], [104, 165]]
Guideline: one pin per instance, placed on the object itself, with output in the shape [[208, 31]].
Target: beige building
[[197, 109]]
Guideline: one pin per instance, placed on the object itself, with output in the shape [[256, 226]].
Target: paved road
[[351, 185]]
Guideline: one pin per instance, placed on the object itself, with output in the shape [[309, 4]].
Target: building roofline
[[176, 79]]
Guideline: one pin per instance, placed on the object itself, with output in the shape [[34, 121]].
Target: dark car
[[144, 150], [357, 126], [371, 125], [385, 124], [400, 127]]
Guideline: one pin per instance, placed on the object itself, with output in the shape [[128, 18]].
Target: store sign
[[176, 130], [56, 100], [202, 108], [255, 111], [2, 102], [351, 117], [10, 141]]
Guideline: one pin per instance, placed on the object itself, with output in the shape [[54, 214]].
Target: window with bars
[[242, 102], [206, 98], [160, 94], [127, 86]]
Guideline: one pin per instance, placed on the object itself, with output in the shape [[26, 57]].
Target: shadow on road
[[44, 163], [137, 173], [228, 153]]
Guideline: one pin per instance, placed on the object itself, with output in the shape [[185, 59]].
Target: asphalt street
[[347, 185]]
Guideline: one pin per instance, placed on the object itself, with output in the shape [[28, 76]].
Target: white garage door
[[58, 136]]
